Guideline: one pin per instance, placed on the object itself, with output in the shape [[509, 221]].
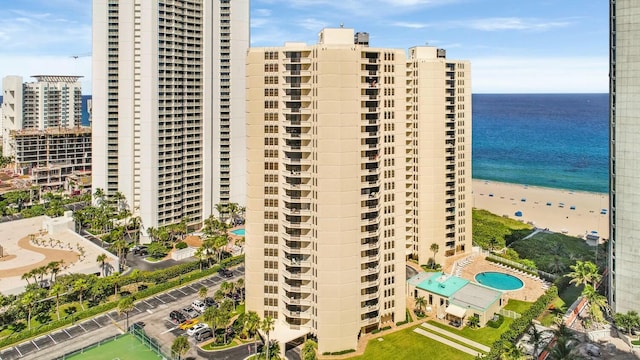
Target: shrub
[[339, 352], [497, 323], [181, 245]]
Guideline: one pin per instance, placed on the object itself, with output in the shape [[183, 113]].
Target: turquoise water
[[549, 140], [498, 280], [239, 232]]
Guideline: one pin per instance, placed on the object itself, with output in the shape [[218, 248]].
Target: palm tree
[[434, 248], [473, 322], [584, 272], [309, 350], [202, 292], [56, 290], [102, 259], [99, 196], [200, 255], [26, 276], [220, 242], [562, 350], [267, 325], [125, 306], [251, 326], [557, 265], [80, 286], [625, 321], [535, 338], [29, 299], [512, 352], [596, 301], [421, 302], [180, 346]]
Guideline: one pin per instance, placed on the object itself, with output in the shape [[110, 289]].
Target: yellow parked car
[[189, 324]]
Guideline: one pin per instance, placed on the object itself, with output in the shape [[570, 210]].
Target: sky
[[515, 46]]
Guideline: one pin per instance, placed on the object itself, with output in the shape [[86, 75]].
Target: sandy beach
[[572, 212]]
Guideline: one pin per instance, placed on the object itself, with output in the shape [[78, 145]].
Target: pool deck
[[532, 289]]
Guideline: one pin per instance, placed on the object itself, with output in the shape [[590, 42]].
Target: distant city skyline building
[[359, 157], [168, 105], [624, 182], [41, 128]]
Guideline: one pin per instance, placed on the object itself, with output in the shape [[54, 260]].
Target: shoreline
[[542, 187], [572, 212]]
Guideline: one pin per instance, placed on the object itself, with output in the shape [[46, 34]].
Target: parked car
[[189, 324], [139, 250], [593, 350], [196, 328], [226, 273], [191, 312], [208, 301], [199, 305], [203, 334], [177, 317]]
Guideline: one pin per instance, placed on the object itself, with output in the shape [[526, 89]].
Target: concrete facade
[[330, 139], [624, 263], [168, 105]]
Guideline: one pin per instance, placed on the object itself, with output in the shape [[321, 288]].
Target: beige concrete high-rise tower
[[624, 181], [438, 156], [331, 130], [168, 105]]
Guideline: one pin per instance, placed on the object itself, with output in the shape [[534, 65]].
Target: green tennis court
[[126, 347]]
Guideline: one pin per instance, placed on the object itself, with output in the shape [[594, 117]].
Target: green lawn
[[126, 347], [518, 306], [406, 344], [485, 335]]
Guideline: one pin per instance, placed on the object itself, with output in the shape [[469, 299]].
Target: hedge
[[381, 329], [519, 325], [177, 271], [496, 324], [339, 352]]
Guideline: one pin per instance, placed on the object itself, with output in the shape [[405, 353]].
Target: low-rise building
[[456, 299]]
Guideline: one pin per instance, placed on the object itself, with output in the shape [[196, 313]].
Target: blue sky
[[515, 46]]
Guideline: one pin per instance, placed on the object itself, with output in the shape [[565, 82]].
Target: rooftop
[[476, 296], [442, 284]]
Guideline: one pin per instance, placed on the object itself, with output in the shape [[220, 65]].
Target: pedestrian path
[[453, 336], [448, 342]]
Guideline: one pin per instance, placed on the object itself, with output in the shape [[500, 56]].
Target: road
[[154, 311]]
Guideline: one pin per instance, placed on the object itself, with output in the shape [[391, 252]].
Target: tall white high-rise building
[[624, 181], [168, 105], [358, 157]]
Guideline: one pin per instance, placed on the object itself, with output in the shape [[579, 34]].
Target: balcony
[[303, 289], [298, 275], [297, 314], [369, 308], [369, 296], [369, 321], [370, 270], [296, 225], [306, 301], [296, 199], [297, 136], [370, 258], [306, 250], [296, 110], [296, 161], [296, 186], [292, 262], [296, 211]]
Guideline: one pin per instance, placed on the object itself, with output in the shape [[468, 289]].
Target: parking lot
[[153, 311]]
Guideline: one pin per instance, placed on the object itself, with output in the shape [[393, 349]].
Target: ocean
[[549, 140]]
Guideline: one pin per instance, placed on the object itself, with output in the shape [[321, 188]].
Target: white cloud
[[410, 25], [313, 25], [540, 75], [262, 12], [510, 23]]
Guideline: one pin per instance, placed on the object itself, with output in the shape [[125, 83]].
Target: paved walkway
[[456, 337], [447, 342]]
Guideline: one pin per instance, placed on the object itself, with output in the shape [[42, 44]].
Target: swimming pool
[[498, 280], [239, 232]]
